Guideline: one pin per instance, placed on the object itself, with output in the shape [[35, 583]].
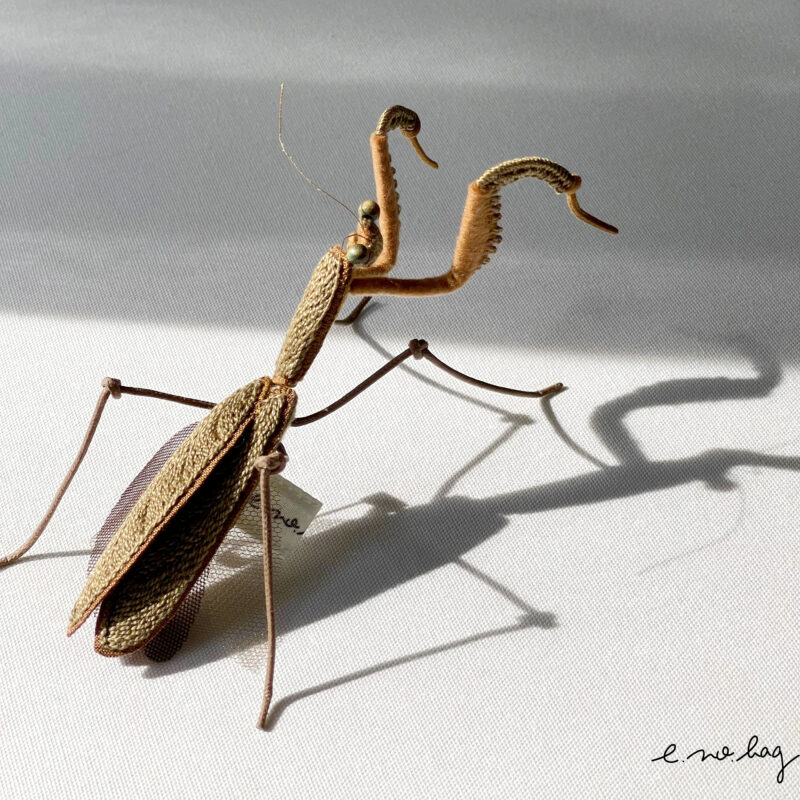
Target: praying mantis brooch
[[172, 531]]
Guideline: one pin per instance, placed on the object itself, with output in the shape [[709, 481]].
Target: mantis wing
[[179, 521], [171, 637]]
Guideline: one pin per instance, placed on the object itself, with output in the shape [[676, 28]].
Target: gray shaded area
[[141, 175], [495, 603]]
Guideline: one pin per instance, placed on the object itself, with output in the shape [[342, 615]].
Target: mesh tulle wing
[[170, 639], [172, 531]]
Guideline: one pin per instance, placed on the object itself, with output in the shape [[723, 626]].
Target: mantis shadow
[[350, 562], [30, 557]]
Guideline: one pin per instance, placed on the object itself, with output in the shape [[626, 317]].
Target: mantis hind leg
[[112, 387]]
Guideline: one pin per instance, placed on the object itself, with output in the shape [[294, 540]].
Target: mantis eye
[[369, 209], [357, 254]]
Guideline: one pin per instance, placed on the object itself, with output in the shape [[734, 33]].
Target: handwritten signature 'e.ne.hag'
[[670, 756]]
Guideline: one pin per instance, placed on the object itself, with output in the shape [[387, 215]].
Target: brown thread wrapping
[[479, 233], [388, 196], [404, 287], [265, 469], [388, 200]]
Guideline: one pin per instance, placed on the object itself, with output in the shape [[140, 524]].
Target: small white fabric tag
[[291, 512]]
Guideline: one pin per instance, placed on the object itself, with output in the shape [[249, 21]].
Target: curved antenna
[[292, 161]]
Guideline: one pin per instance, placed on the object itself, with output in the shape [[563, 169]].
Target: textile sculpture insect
[[180, 519]]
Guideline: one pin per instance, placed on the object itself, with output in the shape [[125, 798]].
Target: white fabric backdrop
[[501, 598]]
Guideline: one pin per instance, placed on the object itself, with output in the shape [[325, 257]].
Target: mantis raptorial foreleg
[[480, 230], [407, 121], [388, 199]]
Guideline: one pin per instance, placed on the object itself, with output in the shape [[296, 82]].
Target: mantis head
[[365, 244]]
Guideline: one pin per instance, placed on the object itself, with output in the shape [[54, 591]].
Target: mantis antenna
[[292, 161]]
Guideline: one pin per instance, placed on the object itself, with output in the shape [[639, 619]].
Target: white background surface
[[481, 610]]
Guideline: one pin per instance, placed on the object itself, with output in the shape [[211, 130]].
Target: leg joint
[[418, 348], [114, 386]]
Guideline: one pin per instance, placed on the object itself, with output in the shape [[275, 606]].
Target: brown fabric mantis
[[175, 526]]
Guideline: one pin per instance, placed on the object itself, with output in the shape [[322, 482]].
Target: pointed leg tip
[[264, 714]]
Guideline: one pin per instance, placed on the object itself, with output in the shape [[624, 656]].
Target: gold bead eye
[[369, 209], [357, 253]]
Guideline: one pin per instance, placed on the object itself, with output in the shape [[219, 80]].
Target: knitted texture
[[398, 117], [177, 481], [151, 591], [560, 178], [480, 231], [169, 640], [314, 316]]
